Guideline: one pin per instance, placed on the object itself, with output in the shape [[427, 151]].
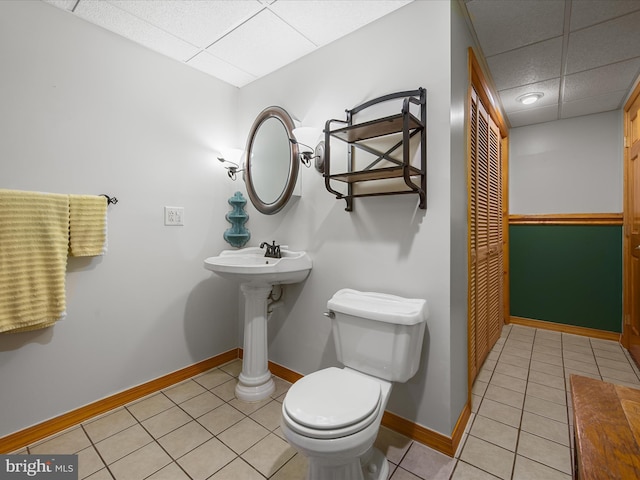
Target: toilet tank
[[378, 334]]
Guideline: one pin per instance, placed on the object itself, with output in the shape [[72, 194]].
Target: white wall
[[567, 166], [84, 111], [460, 42], [91, 113], [386, 244]]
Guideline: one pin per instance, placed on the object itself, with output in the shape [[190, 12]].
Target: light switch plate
[[174, 216]]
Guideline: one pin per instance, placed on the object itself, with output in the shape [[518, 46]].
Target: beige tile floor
[[519, 429]]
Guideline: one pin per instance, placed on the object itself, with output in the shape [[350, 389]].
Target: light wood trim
[[459, 429], [278, 370], [506, 292], [561, 327], [430, 438], [567, 219], [284, 373], [478, 82], [22, 438], [28, 436], [627, 300], [484, 90]]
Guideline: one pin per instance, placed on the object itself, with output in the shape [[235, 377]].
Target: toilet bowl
[[332, 416]]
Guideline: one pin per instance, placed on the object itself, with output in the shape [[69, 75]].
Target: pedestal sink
[[257, 274]]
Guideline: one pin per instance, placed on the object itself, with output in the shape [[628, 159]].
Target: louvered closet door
[[485, 235], [495, 259]]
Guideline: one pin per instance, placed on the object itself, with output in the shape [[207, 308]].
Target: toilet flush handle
[[329, 314]]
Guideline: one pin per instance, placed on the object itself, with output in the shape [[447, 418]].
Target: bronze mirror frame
[[273, 113]]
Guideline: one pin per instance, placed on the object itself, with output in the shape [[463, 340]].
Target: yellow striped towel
[[87, 225], [34, 239]]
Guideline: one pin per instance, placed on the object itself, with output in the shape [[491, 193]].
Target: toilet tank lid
[[379, 306]]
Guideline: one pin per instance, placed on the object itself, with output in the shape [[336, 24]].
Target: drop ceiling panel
[[522, 41], [245, 38], [610, 78], [593, 55], [531, 64], [605, 43], [503, 25], [195, 21], [534, 115], [323, 21], [123, 23], [251, 50], [589, 12], [588, 106]]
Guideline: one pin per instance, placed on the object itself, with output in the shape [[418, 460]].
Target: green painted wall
[[569, 274]]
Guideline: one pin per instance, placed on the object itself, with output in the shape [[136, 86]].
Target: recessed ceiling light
[[529, 98]]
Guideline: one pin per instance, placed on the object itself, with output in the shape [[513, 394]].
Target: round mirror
[[271, 168]]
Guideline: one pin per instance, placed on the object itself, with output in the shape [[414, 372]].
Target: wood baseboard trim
[[284, 373], [430, 438], [30, 435], [459, 429], [278, 370], [560, 327]]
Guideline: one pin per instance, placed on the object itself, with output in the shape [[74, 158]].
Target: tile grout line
[[156, 440], [515, 453], [567, 388], [98, 453], [173, 460], [521, 410], [216, 436]]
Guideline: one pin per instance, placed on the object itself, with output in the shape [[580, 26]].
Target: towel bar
[[110, 200]]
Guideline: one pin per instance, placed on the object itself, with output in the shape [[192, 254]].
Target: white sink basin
[[257, 274], [249, 265]]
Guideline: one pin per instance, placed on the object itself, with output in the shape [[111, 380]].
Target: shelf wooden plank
[[376, 174], [375, 128]]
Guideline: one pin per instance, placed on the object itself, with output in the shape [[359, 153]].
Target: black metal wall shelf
[[405, 123]]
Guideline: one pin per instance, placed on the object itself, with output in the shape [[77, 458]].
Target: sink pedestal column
[[255, 382]]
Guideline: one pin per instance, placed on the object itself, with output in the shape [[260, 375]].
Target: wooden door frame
[[478, 80], [626, 253]]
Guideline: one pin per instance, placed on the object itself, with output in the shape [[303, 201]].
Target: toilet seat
[[332, 403]]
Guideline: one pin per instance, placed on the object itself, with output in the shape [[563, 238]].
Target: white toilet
[[332, 416]]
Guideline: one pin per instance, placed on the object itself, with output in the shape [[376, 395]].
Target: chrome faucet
[[273, 250]]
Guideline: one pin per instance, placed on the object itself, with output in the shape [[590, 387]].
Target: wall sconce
[[233, 168], [304, 137]]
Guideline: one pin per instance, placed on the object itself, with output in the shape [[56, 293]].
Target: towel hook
[[110, 200]]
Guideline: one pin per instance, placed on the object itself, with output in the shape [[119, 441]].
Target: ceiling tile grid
[[602, 80], [119, 21], [608, 42], [268, 52], [531, 64], [503, 25], [583, 55], [195, 21], [236, 41], [585, 13]]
